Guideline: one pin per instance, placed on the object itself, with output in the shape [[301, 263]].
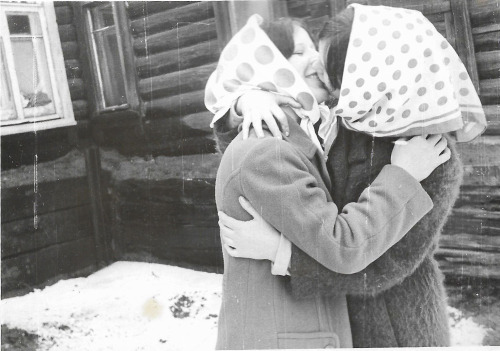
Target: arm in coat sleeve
[[309, 278], [278, 184]]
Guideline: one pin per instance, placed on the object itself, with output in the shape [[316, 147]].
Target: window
[[34, 91], [110, 56]]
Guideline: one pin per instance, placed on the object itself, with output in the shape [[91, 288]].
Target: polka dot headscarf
[[402, 78], [251, 60]]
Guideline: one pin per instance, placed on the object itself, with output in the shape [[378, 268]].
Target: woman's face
[[305, 59]]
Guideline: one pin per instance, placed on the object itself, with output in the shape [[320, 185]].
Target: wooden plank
[[472, 221], [179, 105], [170, 129], [171, 19], [488, 64], [493, 117], [174, 60], [144, 8], [464, 40], [70, 50], [184, 146], [35, 268], [73, 68], [482, 175], [490, 91], [48, 197], [470, 242], [483, 197], [76, 88], [67, 32], [482, 151], [199, 121], [64, 15], [176, 38], [486, 29], [26, 235], [487, 41], [176, 83]]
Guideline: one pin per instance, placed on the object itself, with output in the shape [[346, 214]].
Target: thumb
[[249, 208]]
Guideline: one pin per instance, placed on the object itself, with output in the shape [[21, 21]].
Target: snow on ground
[[142, 306]]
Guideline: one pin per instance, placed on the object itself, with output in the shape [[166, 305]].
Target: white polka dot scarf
[[402, 78], [251, 60]]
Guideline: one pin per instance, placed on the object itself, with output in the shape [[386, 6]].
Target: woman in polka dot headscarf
[[286, 179], [388, 94]]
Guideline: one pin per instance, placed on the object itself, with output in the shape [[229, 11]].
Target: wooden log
[[171, 129], [487, 41], [488, 64], [179, 105], [483, 197], [472, 221], [27, 235], [482, 151], [144, 8], [183, 146], [166, 214], [483, 12], [198, 121], [469, 257], [76, 88], [469, 270], [197, 245], [49, 197], [70, 50], [174, 60], [80, 109], [64, 15], [67, 32], [172, 19], [493, 117], [470, 242], [176, 38], [490, 91], [482, 175], [35, 268], [176, 83], [73, 69], [486, 29]]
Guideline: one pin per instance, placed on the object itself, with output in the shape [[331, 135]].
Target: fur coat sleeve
[[309, 278]]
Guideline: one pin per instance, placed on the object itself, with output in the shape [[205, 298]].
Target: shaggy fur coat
[[398, 300]]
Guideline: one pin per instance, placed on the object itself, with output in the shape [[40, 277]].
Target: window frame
[[63, 107], [125, 48]]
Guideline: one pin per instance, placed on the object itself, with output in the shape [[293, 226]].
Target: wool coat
[[398, 300], [287, 181]]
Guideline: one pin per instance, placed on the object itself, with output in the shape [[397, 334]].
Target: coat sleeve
[[224, 135], [276, 181], [309, 278]]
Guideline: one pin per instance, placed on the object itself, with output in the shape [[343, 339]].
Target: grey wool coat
[[287, 181], [398, 300]]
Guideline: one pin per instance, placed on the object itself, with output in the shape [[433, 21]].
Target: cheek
[[299, 64]]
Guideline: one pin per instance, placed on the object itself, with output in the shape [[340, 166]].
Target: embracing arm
[[309, 277], [345, 242]]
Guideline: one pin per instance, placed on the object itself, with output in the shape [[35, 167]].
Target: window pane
[[107, 54], [7, 107], [32, 68]]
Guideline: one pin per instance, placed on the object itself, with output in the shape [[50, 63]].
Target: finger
[[445, 156], [247, 206], [441, 145], [245, 126], [273, 127], [228, 241], [281, 117], [230, 250], [229, 221], [287, 100], [257, 125], [225, 230], [434, 138]]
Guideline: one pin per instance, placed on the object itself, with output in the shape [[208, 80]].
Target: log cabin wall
[[46, 217]]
